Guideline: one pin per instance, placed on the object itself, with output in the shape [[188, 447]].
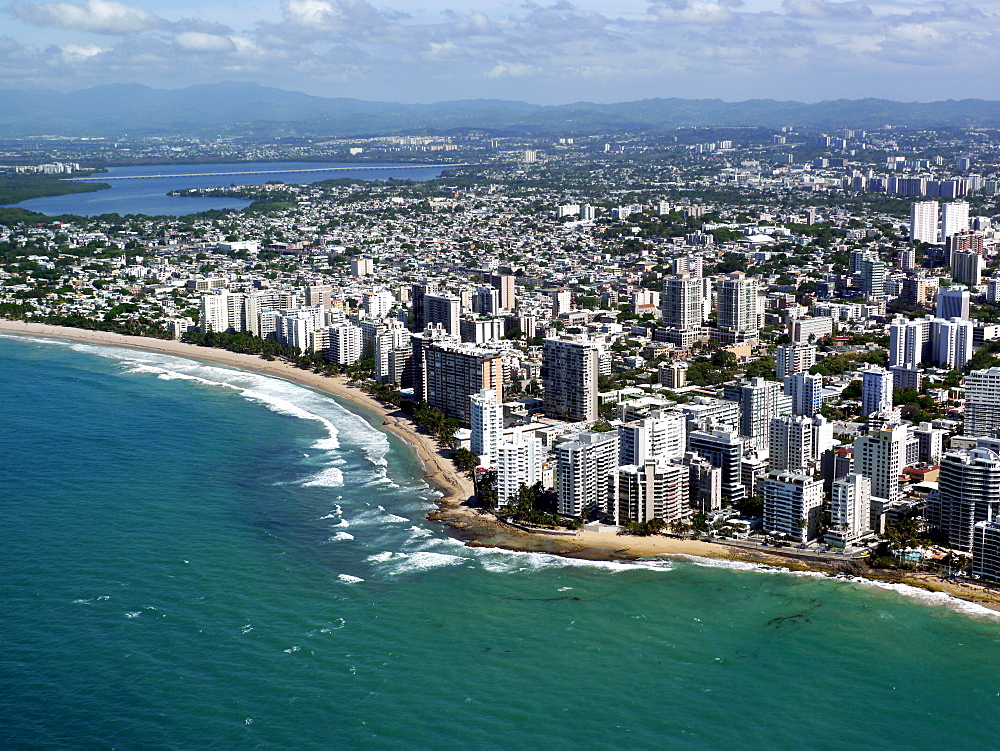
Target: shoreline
[[475, 528]]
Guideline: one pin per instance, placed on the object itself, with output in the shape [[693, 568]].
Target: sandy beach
[[475, 527]]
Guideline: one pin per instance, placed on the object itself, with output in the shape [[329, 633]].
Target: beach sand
[[475, 527]]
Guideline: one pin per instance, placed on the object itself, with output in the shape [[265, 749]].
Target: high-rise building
[[487, 426], [320, 295], [723, 449], [504, 284], [520, 461], [652, 490], [873, 277], [967, 267], [569, 376], [955, 342], [585, 467], [953, 303], [982, 402], [793, 358], [924, 221], [805, 391], [793, 504], [739, 306], [954, 218], [930, 442], [908, 342], [451, 373], [683, 301], [759, 401], [661, 436], [807, 330], [968, 493], [791, 444], [445, 309], [705, 483], [876, 390], [417, 294], [850, 509], [361, 266], [345, 344], [881, 456]]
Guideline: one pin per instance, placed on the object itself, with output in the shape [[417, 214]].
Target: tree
[[465, 461]]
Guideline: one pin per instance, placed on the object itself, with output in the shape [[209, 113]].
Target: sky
[[555, 53]]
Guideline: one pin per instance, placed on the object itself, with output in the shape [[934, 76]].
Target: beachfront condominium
[[805, 391], [487, 426], [850, 509], [881, 456], [924, 221], [344, 344], [793, 358], [793, 504], [986, 550], [569, 376], [705, 483], [759, 401], [739, 305], [651, 490], [520, 461], [982, 402], [662, 435], [585, 467], [682, 303], [451, 373], [723, 449], [968, 493], [876, 390]]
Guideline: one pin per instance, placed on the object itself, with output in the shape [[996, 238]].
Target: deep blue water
[[195, 557], [149, 195]]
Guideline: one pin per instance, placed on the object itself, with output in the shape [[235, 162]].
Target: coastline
[[475, 528]]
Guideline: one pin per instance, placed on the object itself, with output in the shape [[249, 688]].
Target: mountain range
[[119, 109]]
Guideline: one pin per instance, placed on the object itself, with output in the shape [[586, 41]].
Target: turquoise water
[[194, 557], [149, 195]]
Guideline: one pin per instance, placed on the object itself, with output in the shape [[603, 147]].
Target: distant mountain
[[118, 109]]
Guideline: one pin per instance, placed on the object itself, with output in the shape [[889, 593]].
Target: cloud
[[196, 41], [701, 12], [98, 16], [513, 70]]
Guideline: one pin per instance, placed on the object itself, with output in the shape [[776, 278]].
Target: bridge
[[105, 178]]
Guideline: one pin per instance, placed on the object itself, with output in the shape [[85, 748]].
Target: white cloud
[[196, 41], [98, 16], [513, 70]]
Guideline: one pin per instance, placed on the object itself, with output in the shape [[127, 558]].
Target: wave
[[331, 477], [341, 536], [348, 579], [341, 427], [409, 563], [925, 596]]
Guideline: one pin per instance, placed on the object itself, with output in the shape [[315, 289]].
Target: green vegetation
[[17, 188]]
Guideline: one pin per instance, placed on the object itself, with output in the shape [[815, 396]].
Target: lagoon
[[143, 190]]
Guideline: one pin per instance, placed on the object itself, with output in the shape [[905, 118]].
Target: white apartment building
[[662, 436], [954, 218], [924, 221], [585, 467], [652, 490], [794, 358], [793, 504], [982, 402], [520, 461], [850, 509], [569, 376], [486, 419], [876, 390], [791, 444], [881, 457]]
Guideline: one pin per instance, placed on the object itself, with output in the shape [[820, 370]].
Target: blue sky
[[548, 53]]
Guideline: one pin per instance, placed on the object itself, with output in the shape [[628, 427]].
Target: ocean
[[197, 557], [145, 192]]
